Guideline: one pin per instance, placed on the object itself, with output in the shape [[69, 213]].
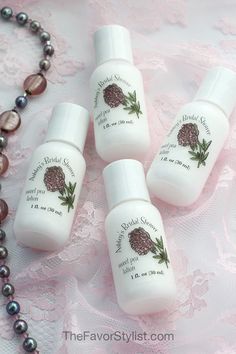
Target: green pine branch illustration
[[199, 152], [67, 196], [131, 104], [160, 252]]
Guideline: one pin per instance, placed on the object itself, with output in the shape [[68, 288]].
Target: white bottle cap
[[219, 87], [112, 42], [69, 123], [124, 180]]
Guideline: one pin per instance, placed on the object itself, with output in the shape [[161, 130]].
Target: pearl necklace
[[34, 84]]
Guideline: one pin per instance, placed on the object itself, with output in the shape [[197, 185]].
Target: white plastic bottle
[[141, 267], [119, 111], [49, 198], [189, 152]]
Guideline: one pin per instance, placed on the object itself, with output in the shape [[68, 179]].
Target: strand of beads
[[10, 120]]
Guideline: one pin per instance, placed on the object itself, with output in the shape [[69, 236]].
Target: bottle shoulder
[[206, 113], [132, 206], [207, 109], [112, 66], [57, 147]]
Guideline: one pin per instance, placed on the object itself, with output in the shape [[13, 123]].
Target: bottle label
[[119, 101], [188, 144], [51, 185], [138, 251]]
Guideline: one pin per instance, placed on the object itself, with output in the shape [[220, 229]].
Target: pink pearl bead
[[35, 84], [3, 210], [4, 163], [10, 121]]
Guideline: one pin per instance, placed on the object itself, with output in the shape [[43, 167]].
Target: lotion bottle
[[49, 198], [140, 260], [189, 152], [119, 111]]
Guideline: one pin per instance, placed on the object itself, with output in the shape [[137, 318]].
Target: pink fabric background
[[174, 43]]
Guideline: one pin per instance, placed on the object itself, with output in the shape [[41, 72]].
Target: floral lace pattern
[[72, 289]]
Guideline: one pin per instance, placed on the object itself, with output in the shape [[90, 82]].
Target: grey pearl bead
[[3, 141], [4, 271], [22, 18], [20, 326], [13, 308], [3, 252], [29, 345], [35, 26], [6, 13], [44, 64], [2, 235], [21, 101], [8, 289], [44, 36], [48, 50]]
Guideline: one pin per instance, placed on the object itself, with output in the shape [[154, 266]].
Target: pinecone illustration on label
[[188, 135], [114, 96], [54, 180], [141, 242]]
